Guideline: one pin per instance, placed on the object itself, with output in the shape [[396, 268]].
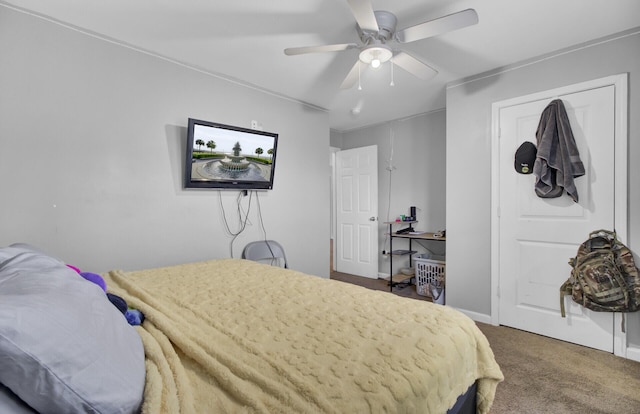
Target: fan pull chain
[[359, 85], [392, 83]]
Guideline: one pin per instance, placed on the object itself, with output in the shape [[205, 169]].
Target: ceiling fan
[[377, 30]]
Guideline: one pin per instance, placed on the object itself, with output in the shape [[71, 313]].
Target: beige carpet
[[544, 375]]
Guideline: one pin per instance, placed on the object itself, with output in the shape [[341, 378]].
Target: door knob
[[372, 218]]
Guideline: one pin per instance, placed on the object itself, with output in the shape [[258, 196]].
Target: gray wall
[[92, 137], [469, 157], [336, 138], [417, 178]]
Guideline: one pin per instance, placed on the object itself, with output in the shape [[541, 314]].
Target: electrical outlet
[[256, 125]]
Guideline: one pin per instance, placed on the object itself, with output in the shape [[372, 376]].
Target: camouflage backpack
[[604, 276]]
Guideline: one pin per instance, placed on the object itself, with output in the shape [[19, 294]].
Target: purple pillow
[[95, 278]]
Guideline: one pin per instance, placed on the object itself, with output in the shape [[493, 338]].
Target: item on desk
[[409, 271], [441, 233], [417, 232], [405, 230], [408, 218], [401, 252]]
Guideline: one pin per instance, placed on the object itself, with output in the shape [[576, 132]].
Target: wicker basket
[[429, 268]]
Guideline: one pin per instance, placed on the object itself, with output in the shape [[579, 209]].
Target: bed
[[232, 335]]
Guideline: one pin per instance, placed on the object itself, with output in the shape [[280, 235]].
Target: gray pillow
[[64, 348]]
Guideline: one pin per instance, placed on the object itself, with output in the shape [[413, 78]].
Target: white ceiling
[[244, 40]]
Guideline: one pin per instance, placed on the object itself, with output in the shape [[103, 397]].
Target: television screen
[[229, 157]]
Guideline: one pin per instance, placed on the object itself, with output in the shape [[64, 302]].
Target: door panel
[[357, 211], [538, 236]]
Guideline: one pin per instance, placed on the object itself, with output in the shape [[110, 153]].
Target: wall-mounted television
[[229, 157]]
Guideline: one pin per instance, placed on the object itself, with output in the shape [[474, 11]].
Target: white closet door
[[538, 236]]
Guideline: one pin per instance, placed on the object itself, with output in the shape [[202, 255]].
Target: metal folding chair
[[266, 251]]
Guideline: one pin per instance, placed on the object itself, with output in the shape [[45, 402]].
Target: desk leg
[[390, 258]]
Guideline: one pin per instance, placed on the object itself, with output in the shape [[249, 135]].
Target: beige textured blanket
[[237, 336]]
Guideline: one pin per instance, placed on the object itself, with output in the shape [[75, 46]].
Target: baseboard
[[478, 317], [633, 352]]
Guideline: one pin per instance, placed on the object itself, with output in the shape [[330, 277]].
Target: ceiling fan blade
[[363, 12], [438, 26], [352, 77], [414, 66], [315, 49]]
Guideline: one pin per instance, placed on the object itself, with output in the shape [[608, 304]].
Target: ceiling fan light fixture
[[376, 55]]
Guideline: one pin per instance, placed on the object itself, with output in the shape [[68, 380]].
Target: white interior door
[[538, 236], [357, 211]]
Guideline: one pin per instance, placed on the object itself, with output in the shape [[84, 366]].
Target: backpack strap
[[565, 290]]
